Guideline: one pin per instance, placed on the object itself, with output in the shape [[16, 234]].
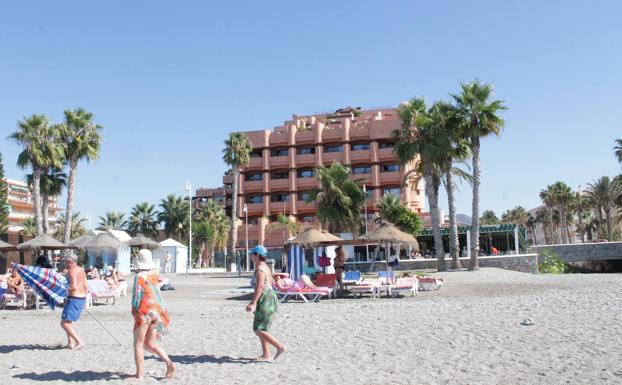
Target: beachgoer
[[494, 250], [265, 304], [111, 278], [75, 301], [168, 259], [150, 316], [15, 284], [340, 265]]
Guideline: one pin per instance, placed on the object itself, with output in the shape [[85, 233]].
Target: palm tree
[[290, 226], [391, 209], [29, 227], [416, 142], [479, 118], [236, 154], [51, 185], [563, 198], [112, 221], [549, 197], [82, 138], [489, 218], [604, 193], [77, 223], [143, 220], [339, 199], [618, 149], [174, 214], [530, 223], [544, 218], [211, 229], [41, 150]]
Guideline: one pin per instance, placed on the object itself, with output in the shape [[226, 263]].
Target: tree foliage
[[391, 209]]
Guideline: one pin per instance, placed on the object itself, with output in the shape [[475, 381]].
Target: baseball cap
[[259, 249]]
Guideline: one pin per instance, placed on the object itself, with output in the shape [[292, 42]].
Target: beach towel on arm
[[47, 283]]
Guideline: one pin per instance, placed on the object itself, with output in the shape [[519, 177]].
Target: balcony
[[253, 186], [280, 207], [279, 138], [254, 209], [303, 207], [394, 177], [305, 183], [332, 157], [363, 179], [383, 129], [227, 179], [305, 137], [386, 155], [279, 161], [253, 231], [359, 132], [332, 134], [360, 156], [306, 160], [278, 185], [256, 163]]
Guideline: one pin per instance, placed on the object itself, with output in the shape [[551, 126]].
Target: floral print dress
[[147, 303]]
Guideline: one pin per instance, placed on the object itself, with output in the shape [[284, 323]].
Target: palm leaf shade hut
[[106, 246], [309, 238], [143, 242], [388, 234], [80, 241], [42, 242], [103, 241], [7, 246]]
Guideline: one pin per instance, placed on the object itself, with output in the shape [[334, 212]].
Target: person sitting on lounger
[[15, 285]]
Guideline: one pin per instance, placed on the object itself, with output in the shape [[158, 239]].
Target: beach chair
[[291, 290], [352, 277], [327, 281], [430, 283], [12, 299], [99, 290], [368, 286], [405, 285], [386, 277]]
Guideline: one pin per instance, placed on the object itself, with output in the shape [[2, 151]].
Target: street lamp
[[88, 218], [366, 246], [189, 190], [245, 209]]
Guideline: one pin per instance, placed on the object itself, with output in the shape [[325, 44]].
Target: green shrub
[[551, 263]]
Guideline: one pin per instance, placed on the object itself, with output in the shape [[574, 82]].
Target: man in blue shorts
[[74, 303]]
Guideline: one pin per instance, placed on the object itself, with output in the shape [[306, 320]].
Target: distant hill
[[463, 219]]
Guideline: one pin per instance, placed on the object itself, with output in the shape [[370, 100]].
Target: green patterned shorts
[[265, 311]]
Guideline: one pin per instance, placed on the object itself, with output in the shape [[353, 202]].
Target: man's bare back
[[77, 281]]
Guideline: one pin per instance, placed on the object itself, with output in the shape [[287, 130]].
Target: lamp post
[[88, 218], [366, 246], [245, 209], [189, 190]]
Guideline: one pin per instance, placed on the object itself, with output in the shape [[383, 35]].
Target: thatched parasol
[[7, 246], [80, 241], [103, 241], [311, 237], [42, 242], [387, 233], [142, 241]]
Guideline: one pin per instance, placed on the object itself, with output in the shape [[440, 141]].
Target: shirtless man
[[74, 303]]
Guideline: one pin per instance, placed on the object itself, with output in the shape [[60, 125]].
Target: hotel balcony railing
[[361, 132], [332, 157], [305, 183], [303, 207], [255, 163], [254, 209], [279, 161], [329, 134], [360, 155], [280, 207], [305, 160], [386, 154], [279, 138], [363, 179], [278, 184], [253, 186], [304, 137], [393, 177]]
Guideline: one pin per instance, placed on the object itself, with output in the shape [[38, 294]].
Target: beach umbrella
[[143, 242], [311, 237], [103, 241], [80, 241], [388, 234], [47, 283], [7, 246], [42, 242]]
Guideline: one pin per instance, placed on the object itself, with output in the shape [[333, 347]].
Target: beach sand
[[468, 332]]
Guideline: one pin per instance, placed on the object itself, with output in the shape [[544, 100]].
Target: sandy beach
[[468, 332]]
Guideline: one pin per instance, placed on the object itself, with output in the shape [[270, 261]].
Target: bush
[[551, 263]]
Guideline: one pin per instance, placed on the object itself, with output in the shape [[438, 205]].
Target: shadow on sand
[[77, 376], [12, 348], [207, 358]]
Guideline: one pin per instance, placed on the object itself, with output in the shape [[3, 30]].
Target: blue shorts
[[73, 308]]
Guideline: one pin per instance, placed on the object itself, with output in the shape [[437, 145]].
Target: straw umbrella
[[80, 241], [143, 242], [388, 234], [7, 246], [42, 242], [311, 237]]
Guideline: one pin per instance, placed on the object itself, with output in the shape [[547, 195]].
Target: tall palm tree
[[530, 223], [40, 150], [236, 154], [174, 214], [604, 193], [112, 220], [618, 149], [143, 220], [544, 218], [549, 197], [77, 223], [83, 139], [391, 209], [52, 183], [489, 218], [289, 226], [563, 198], [211, 231], [479, 118], [29, 227], [416, 144], [339, 199], [579, 206]]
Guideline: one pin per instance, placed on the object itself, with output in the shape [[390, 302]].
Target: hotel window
[[390, 168], [359, 146], [303, 196], [280, 152], [307, 218], [280, 175], [280, 197], [306, 173], [370, 193], [256, 154], [219, 198], [306, 150], [386, 144], [254, 199], [253, 221], [391, 190], [253, 177], [335, 148], [361, 170]]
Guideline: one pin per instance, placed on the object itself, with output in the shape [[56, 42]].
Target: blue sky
[[169, 80]]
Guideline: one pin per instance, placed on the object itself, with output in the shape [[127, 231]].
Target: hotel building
[[21, 205], [281, 171]]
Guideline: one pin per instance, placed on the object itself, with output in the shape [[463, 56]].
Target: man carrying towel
[[75, 302]]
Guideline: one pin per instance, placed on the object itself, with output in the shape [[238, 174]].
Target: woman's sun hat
[[145, 260]]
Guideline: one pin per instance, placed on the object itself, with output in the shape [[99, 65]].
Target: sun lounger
[[366, 287], [100, 290], [12, 299], [352, 277], [307, 295], [430, 283], [405, 285], [326, 281], [386, 277]]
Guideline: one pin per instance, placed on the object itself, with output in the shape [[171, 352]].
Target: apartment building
[[21, 205], [281, 171]]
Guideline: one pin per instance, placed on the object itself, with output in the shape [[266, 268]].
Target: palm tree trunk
[[73, 168], [44, 213], [581, 229], [431, 189], [609, 229], [233, 231], [475, 206], [36, 195], [454, 245], [562, 224]]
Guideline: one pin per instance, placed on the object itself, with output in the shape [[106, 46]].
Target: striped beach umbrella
[[47, 283], [295, 259]]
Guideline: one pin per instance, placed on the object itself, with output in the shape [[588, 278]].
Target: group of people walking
[[151, 318]]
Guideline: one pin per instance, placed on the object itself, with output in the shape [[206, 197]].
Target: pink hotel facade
[[282, 169]]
